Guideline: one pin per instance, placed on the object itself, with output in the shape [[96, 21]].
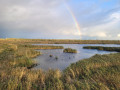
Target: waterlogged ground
[[65, 59]]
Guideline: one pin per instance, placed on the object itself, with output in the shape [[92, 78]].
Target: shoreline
[[96, 72]]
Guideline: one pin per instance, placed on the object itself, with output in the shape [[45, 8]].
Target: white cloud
[[72, 32], [34, 15], [99, 34], [115, 17], [118, 35], [106, 30], [44, 17], [50, 17]]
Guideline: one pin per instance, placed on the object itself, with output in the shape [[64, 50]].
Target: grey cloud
[[98, 18], [47, 18], [37, 12]]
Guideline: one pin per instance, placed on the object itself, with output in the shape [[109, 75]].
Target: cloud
[[107, 30], [115, 16], [32, 15], [100, 17], [118, 35], [43, 18], [50, 19], [98, 34]]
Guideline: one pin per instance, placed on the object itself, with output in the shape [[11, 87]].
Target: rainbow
[[74, 18]]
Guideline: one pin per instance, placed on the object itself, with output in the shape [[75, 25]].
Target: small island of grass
[[117, 49], [69, 50]]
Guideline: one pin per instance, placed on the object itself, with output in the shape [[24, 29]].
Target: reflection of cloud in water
[[65, 59]]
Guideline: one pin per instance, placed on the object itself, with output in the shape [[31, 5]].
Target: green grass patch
[[117, 49], [69, 50], [42, 46], [97, 72], [57, 41], [100, 72]]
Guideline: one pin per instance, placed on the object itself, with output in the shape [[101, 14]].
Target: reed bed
[[69, 50], [117, 49], [100, 72], [58, 41]]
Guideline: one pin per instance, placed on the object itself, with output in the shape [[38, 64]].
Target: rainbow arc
[[74, 18]]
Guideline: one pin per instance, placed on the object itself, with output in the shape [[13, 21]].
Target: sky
[[60, 19]]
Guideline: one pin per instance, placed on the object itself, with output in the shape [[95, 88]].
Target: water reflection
[[65, 59]]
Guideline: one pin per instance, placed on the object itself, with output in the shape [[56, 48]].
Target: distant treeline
[[117, 49], [60, 41]]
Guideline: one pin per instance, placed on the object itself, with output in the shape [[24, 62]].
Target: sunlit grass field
[[58, 41], [100, 72]]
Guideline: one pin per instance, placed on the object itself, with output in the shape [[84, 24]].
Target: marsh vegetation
[[37, 47], [65, 59], [58, 41], [50, 55], [100, 72], [69, 50], [117, 49]]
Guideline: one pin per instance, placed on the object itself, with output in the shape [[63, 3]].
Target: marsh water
[[65, 59]]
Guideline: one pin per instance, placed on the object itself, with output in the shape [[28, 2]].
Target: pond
[[65, 59]]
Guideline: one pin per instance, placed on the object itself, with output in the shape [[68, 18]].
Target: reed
[[69, 50], [117, 49], [100, 72], [42, 47], [58, 41]]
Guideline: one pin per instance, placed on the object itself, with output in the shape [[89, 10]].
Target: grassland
[[59, 41], [100, 72], [69, 50], [117, 49], [42, 47]]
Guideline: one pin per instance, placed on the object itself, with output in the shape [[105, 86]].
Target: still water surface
[[65, 59]]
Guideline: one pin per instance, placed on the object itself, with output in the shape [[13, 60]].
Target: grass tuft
[[70, 50]]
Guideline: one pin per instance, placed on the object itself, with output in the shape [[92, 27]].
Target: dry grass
[[100, 72]]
